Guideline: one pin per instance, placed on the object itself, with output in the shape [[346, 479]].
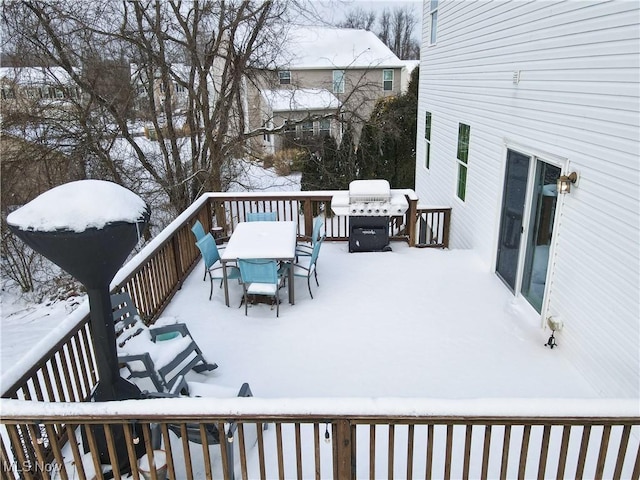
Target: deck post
[[209, 216], [177, 261], [344, 458], [447, 226], [308, 218], [412, 218]]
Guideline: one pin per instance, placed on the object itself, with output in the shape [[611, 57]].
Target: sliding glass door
[[527, 222], [513, 200], [543, 210]]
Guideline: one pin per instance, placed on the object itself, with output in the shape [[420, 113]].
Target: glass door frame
[[534, 155]]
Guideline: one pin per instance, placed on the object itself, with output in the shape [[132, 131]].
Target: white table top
[[275, 240]]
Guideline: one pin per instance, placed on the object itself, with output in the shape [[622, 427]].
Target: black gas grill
[[368, 234]]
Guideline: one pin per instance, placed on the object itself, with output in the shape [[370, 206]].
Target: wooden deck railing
[[432, 227], [334, 445]]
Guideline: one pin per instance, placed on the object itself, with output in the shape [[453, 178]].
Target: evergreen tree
[[320, 167], [388, 139], [347, 160]]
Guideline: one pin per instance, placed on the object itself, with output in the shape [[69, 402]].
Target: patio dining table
[[263, 240]]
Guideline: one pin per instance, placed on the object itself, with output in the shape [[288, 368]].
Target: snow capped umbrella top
[[78, 206]]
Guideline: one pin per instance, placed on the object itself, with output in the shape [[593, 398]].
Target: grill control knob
[[384, 210], [362, 210], [369, 211], [377, 210]]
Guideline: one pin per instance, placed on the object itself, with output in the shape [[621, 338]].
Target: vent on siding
[[516, 77]]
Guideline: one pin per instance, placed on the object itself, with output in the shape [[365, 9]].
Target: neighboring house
[[351, 66], [22, 88], [179, 94], [284, 107], [514, 95]]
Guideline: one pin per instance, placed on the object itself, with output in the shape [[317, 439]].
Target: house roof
[[301, 99], [35, 75], [322, 48]]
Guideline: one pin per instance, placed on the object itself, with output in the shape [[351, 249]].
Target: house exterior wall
[[363, 88], [577, 104], [31, 89]]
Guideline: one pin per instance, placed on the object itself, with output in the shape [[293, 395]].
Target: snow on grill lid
[[77, 206], [369, 190]]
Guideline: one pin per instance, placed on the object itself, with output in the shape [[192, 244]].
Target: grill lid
[[369, 191]]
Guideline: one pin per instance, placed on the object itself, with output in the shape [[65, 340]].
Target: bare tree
[[396, 31], [395, 28], [207, 49], [359, 18]]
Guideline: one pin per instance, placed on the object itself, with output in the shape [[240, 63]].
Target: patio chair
[[198, 232], [211, 259], [183, 388], [306, 248], [260, 277], [160, 354], [305, 268], [261, 217]]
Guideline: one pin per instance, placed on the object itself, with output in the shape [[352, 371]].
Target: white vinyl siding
[[578, 100]]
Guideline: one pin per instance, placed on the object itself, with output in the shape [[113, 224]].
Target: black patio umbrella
[[88, 228]]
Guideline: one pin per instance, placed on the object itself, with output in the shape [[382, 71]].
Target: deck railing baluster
[[584, 445], [298, 451], [279, 450], [263, 474]]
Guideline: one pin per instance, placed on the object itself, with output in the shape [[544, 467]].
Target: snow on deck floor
[[408, 323]]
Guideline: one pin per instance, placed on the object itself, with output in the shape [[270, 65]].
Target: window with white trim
[[306, 129], [266, 136], [427, 139], [464, 132], [338, 81], [387, 80], [433, 14], [325, 127], [285, 77]]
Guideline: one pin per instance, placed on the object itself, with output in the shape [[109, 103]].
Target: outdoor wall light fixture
[[565, 181], [555, 324]]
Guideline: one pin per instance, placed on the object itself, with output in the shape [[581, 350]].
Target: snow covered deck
[[425, 347], [407, 323]]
